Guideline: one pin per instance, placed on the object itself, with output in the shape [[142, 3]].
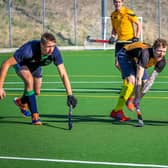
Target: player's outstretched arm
[[65, 79], [71, 100], [138, 29], [3, 72], [148, 84], [2, 93], [138, 84]]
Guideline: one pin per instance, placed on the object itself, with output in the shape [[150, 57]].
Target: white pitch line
[[85, 162]]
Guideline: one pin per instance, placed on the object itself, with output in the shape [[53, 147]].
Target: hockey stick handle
[[70, 117], [89, 39]]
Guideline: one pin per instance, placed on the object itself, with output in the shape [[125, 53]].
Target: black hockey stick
[[89, 39], [70, 117]]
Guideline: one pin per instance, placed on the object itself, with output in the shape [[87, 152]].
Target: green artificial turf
[[95, 136]]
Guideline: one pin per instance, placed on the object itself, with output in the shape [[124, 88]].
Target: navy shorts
[[127, 66], [36, 72]]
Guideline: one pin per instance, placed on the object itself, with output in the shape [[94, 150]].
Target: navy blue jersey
[[30, 54]]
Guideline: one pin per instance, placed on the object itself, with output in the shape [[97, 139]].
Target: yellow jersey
[[136, 45], [122, 22]]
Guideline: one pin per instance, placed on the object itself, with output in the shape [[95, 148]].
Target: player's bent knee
[[131, 79]]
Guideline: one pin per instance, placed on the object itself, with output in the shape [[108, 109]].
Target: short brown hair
[[47, 37], [115, 0], [160, 42]]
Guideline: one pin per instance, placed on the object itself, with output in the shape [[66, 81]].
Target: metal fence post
[[9, 22], [104, 14], [132, 4], [159, 20], [75, 21], [44, 15]]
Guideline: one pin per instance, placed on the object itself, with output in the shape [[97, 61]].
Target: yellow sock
[[126, 92], [131, 95]]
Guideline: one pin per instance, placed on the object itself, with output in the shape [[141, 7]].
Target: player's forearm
[[4, 69], [113, 33], [137, 92], [149, 83], [138, 32], [138, 29], [137, 97], [138, 84], [3, 72], [67, 85], [65, 79]]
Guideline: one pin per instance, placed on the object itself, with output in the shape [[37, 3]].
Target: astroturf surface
[[96, 140]]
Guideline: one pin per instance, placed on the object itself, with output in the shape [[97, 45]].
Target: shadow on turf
[[78, 118], [134, 123], [4, 120], [99, 118], [9, 120]]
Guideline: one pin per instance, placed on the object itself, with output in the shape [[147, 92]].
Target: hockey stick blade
[[70, 117]]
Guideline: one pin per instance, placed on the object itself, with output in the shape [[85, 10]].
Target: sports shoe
[[36, 119], [23, 107], [130, 104], [119, 115]]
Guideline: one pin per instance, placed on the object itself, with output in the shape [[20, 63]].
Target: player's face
[[118, 4], [48, 48], [159, 53]]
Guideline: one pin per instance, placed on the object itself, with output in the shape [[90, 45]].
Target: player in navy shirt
[[28, 61]]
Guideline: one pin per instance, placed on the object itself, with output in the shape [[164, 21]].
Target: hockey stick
[[89, 39], [70, 117]]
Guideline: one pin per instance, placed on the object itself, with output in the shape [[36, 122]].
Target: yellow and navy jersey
[[122, 22], [142, 54]]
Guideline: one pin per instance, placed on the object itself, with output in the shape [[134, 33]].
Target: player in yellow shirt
[[126, 29], [133, 60], [122, 20]]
